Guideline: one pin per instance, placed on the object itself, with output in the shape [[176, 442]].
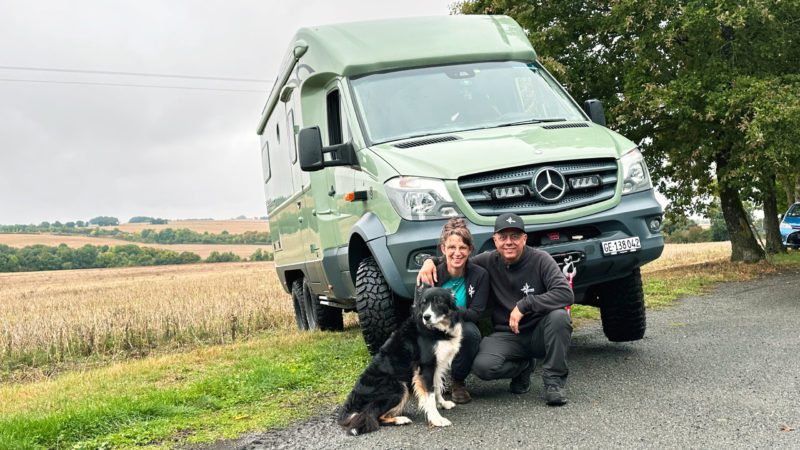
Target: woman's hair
[[457, 227]]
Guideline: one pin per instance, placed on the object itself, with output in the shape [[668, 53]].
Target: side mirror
[[309, 147], [594, 109], [311, 152], [780, 217]]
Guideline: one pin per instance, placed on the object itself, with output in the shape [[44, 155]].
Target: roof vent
[[566, 125], [433, 140]]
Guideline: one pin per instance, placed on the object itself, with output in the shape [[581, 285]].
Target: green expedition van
[[376, 133]]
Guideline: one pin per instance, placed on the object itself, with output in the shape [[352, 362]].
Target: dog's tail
[[358, 422]]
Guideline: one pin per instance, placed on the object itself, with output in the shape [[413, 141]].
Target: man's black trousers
[[504, 354]]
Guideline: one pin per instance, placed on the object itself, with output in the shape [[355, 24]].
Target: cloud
[[70, 152]]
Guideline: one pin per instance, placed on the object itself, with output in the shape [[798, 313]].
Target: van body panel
[[357, 48]]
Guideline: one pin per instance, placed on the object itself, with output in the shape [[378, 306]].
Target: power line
[[92, 83], [135, 74]]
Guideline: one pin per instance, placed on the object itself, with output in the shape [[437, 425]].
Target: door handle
[[300, 219]]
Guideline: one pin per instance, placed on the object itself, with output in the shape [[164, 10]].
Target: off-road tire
[[375, 303], [298, 300], [622, 309], [319, 316]]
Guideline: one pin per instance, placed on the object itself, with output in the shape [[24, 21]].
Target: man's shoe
[[554, 395], [459, 392], [521, 383]]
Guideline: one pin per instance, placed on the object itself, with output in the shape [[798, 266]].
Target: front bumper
[[791, 239], [628, 218]]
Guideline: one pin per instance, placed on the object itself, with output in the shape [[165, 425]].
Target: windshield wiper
[[529, 121]]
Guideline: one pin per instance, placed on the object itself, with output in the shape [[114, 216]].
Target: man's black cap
[[509, 221]]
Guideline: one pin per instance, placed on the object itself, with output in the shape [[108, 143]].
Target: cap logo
[[549, 184], [510, 220]]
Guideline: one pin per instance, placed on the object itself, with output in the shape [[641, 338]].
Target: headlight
[[785, 226], [634, 171], [420, 198]]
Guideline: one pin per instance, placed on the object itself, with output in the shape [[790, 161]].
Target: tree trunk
[[771, 221], [744, 246], [786, 180], [791, 184], [796, 188]]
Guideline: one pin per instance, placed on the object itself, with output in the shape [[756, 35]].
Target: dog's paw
[[402, 420], [447, 404], [439, 422]]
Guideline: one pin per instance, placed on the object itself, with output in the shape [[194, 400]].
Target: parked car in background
[[790, 227]]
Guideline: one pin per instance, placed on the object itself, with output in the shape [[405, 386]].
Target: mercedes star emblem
[[549, 184]]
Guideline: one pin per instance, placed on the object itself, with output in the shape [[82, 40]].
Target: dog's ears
[[418, 292]]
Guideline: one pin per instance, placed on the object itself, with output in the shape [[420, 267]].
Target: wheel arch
[[368, 238]]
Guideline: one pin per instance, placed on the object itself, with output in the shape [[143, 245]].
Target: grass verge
[[224, 391], [200, 396]]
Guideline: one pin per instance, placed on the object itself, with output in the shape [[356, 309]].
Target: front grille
[[477, 189]]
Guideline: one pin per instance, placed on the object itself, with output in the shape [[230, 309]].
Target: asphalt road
[[716, 371]]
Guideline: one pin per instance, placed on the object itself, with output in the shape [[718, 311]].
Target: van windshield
[[444, 99]]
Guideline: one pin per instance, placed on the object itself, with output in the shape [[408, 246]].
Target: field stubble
[[52, 320]]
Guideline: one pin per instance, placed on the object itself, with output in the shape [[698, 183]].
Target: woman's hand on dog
[[427, 274]]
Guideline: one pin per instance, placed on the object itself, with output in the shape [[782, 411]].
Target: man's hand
[[514, 318], [427, 274]]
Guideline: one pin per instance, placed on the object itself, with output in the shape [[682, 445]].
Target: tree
[[216, 257], [140, 219], [678, 77], [104, 221]]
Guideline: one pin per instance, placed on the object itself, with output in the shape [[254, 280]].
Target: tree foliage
[[261, 255], [708, 89], [148, 219], [62, 257], [165, 236], [104, 221], [41, 257]]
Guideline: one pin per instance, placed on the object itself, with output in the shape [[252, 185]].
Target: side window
[[334, 118], [292, 138], [265, 162]]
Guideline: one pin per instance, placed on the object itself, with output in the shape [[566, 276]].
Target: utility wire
[[135, 74], [92, 83]]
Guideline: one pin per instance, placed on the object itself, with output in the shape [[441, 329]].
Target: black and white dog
[[415, 358]]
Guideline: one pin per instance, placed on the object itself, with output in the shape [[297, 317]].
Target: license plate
[[618, 246]]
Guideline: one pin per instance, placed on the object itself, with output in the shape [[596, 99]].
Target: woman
[[470, 285]]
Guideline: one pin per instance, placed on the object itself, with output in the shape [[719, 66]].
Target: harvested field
[[58, 316], [52, 318], [677, 255], [200, 226], [52, 240]]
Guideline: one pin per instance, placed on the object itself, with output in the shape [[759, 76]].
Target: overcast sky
[[72, 151]]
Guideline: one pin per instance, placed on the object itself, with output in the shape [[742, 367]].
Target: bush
[[261, 255], [41, 257], [217, 257]]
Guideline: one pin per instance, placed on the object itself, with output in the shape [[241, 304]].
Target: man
[[529, 295]]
